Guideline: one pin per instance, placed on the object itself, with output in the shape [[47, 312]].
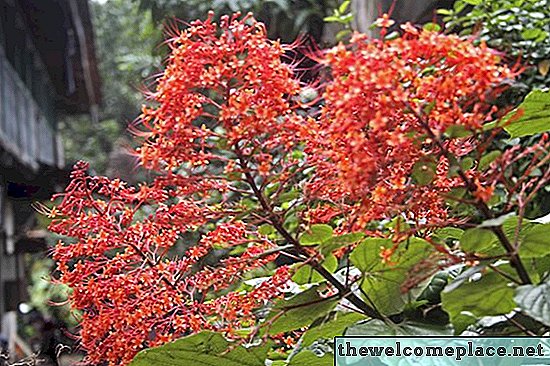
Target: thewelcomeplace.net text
[[455, 350], [458, 352]]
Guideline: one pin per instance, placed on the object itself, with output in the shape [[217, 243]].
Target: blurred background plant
[[518, 28], [284, 19]]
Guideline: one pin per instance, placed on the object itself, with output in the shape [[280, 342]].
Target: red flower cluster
[[130, 293], [221, 136], [390, 108], [231, 84]]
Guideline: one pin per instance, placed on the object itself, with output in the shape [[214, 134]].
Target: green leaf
[[457, 131], [266, 229], [533, 238], [531, 33], [534, 300], [473, 2], [462, 321], [340, 241], [344, 6], [535, 118], [424, 172], [392, 35], [306, 274], [449, 233], [332, 328], [488, 158], [377, 327], [431, 27], [342, 34], [299, 311], [536, 242], [488, 296], [459, 5], [444, 11], [289, 196], [432, 292], [542, 266], [317, 234], [308, 358], [467, 163], [331, 19], [346, 18], [202, 349], [382, 281], [478, 240]]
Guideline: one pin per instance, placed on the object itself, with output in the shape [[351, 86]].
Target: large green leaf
[[376, 327], [535, 118], [308, 358], [332, 328], [478, 240], [534, 300], [202, 349], [490, 295], [536, 241], [533, 238], [299, 311], [382, 281]]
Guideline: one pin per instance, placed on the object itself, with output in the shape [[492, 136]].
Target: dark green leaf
[[462, 321], [534, 300], [449, 233], [432, 292]]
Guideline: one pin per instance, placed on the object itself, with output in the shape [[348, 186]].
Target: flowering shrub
[[370, 196]]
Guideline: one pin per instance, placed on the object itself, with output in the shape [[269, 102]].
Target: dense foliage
[[284, 19], [518, 28], [346, 205]]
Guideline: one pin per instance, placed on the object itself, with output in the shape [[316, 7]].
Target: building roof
[[55, 25]]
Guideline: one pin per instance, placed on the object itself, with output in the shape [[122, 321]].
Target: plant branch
[[515, 260], [278, 225]]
